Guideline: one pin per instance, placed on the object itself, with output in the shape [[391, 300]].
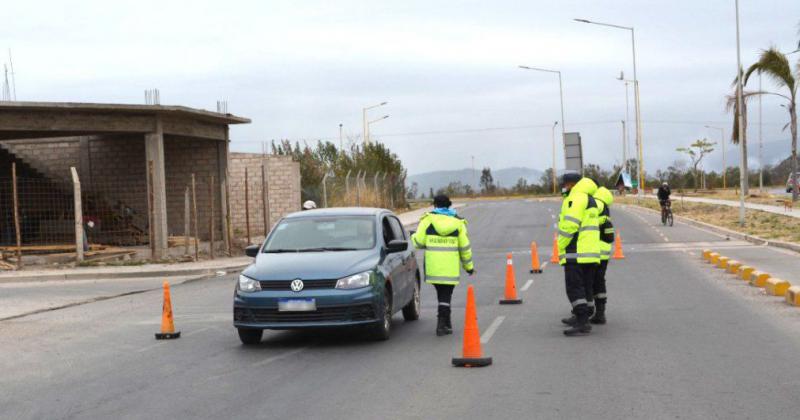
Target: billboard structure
[[573, 152]]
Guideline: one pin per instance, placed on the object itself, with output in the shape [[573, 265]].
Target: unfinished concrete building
[[119, 151]]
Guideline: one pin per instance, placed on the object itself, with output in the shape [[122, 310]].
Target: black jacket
[[663, 193]]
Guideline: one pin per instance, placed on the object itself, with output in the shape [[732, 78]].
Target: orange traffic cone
[[554, 258], [511, 284], [471, 355], [618, 248], [535, 267], [167, 323]]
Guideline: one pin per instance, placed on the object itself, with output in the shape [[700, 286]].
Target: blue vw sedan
[[339, 267]]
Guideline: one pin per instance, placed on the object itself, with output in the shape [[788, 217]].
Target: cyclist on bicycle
[[663, 195]]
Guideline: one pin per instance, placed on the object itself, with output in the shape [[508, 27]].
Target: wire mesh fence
[[44, 211], [360, 189]]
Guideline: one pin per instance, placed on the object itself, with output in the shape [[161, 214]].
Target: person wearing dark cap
[[443, 236], [579, 248]]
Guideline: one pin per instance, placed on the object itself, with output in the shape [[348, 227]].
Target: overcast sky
[[448, 69]]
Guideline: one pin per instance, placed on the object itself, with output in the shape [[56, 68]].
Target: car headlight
[[246, 284], [355, 281]]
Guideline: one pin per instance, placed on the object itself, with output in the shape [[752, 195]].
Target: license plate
[[297, 305]]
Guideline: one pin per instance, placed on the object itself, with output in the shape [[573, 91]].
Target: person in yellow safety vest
[[443, 236], [579, 248], [604, 199]]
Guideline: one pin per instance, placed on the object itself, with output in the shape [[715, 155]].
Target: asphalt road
[[683, 341]]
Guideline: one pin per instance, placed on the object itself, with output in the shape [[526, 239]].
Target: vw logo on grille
[[297, 285]]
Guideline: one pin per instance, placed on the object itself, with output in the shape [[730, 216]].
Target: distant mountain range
[[504, 177]]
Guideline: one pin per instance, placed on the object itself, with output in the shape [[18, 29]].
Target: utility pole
[[740, 119], [341, 141]]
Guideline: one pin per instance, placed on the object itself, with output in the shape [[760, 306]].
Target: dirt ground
[[758, 223]]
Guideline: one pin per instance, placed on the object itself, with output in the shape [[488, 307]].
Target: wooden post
[[228, 217], [246, 205], [211, 218], [76, 188], [267, 211], [194, 220], [223, 207], [15, 199], [265, 199], [151, 210], [187, 221]]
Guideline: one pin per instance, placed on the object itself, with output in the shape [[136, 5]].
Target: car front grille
[[307, 284], [362, 312]]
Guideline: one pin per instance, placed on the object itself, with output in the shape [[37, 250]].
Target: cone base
[[618, 258], [510, 301], [168, 336], [472, 362], [536, 271]]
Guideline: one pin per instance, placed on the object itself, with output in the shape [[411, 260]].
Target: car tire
[[411, 311], [250, 336], [383, 328]]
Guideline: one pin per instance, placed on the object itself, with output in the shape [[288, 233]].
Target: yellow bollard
[[759, 279], [793, 296], [777, 287], [713, 257], [746, 271], [707, 254], [733, 266], [722, 262]]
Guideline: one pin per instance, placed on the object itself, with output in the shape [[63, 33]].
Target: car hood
[[312, 265]]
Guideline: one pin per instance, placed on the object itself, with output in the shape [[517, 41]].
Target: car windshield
[[316, 234]]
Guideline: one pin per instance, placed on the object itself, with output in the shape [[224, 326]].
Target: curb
[[731, 233], [106, 275]]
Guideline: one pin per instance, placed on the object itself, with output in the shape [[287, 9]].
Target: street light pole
[[369, 140], [740, 119], [561, 96], [554, 158], [724, 162], [760, 142], [364, 119], [639, 140], [341, 142]]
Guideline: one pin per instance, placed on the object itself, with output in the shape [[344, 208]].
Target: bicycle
[[666, 212]]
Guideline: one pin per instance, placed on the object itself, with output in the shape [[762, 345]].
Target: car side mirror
[[252, 250], [397, 245]]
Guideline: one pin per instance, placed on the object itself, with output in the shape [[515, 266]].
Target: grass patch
[[757, 223]]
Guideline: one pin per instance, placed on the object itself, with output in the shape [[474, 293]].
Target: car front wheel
[[250, 336], [383, 328], [411, 311]]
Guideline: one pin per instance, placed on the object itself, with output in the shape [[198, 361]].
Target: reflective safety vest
[[604, 199], [578, 226], [447, 249]]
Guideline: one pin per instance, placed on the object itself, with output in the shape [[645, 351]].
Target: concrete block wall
[[50, 157], [184, 157], [283, 178]]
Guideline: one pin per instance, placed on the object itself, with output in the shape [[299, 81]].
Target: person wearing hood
[[604, 199], [443, 236], [579, 248]]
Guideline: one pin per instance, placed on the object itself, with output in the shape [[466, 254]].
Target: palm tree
[[731, 104], [775, 65]]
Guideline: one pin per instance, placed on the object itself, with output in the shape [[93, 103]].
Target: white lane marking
[[279, 357], [527, 285], [545, 264], [492, 329]]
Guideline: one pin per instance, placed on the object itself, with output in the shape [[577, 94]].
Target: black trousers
[[579, 279], [599, 286], [444, 294]]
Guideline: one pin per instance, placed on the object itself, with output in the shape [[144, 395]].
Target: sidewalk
[[200, 268], [795, 212]]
